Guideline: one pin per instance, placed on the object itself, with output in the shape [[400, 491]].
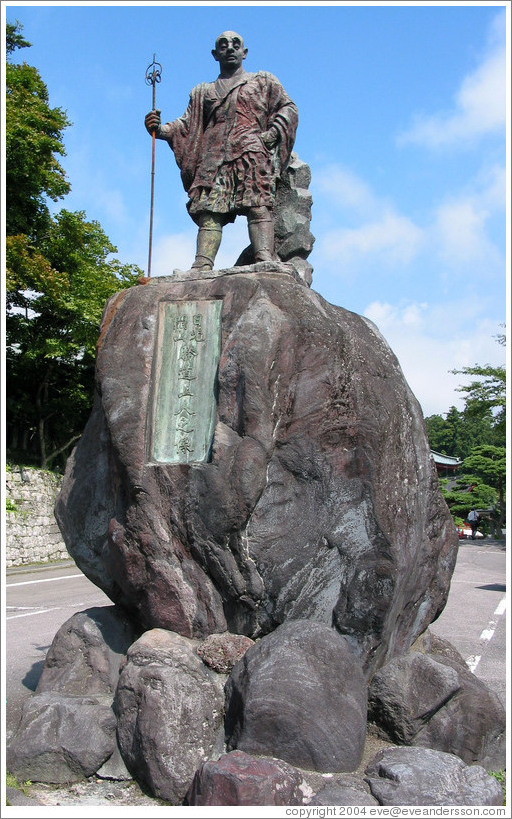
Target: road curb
[[29, 568]]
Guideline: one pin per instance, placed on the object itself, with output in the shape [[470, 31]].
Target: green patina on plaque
[[188, 350]]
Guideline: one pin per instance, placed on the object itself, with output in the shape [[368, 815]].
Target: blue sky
[[402, 119]]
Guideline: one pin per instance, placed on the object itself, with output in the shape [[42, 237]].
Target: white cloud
[[235, 238], [479, 105], [347, 190], [459, 231], [173, 251], [178, 250], [393, 238], [431, 340], [491, 186], [455, 236], [383, 233]]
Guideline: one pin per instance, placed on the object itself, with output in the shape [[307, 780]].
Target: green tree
[[486, 395], [462, 496], [478, 436], [13, 37], [435, 430], [55, 297], [60, 271], [486, 467], [459, 432], [33, 139]]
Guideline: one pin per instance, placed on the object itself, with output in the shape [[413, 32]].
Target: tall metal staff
[[153, 75]]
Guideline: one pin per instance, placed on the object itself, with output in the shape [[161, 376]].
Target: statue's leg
[[208, 240], [260, 222]]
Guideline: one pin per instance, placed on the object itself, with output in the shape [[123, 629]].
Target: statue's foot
[[201, 268], [265, 256], [202, 264]]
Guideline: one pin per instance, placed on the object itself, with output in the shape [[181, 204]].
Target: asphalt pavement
[[39, 599], [474, 619]]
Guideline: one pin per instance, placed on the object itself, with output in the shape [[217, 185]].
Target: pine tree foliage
[[477, 435]]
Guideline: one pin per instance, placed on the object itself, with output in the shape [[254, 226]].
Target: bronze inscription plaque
[[187, 357]]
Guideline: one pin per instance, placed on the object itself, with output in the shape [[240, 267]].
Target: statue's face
[[229, 50]]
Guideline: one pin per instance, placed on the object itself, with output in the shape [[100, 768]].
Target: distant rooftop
[[445, 460]]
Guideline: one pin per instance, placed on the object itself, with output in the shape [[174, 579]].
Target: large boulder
[[170, 709], [61, 738], [421, 776], [434, 701], [86, 653], [299, 694], [76, 692], [317, 499]]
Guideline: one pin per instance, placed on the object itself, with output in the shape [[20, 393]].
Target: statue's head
[[229, 49]]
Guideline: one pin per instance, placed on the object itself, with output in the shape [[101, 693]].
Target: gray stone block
[[61, 739], [421, 776]]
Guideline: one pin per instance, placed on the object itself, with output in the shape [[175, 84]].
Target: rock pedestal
[[317, 497], [254, 491]]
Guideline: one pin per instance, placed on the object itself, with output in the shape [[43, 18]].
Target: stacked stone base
[[282, 720]]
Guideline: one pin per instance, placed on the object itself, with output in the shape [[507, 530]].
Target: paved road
[[474, 619], [40, 600]]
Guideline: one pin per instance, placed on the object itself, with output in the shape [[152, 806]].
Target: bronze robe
[[225, 166]]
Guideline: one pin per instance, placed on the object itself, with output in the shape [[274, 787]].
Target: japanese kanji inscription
[[187, 356]]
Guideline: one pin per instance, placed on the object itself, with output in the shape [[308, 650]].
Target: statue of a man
[[231, 145]]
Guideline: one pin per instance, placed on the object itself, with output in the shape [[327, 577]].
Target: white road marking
[[31, 613], [501, 607], [473, 661], [44, 580], [487, 634]]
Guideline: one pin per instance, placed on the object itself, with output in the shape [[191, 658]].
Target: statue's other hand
[[152, 121], [269, 137]]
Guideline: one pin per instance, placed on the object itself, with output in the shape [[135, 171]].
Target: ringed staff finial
[[153, 76]]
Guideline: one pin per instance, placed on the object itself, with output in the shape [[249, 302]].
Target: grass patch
[[13, 782], [501, 777]]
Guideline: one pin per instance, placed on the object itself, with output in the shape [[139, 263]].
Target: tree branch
[[63, 447]]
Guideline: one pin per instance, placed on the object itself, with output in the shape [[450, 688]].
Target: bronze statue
[[231, 144]]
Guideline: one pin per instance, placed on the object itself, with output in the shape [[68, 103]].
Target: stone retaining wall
[[32, 534]]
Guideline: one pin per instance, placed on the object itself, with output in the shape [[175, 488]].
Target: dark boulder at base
[[86, 653], [242, 779], [421, 776], [346, 790], [434, 701], [318, 499], [61, 739], [299, 694], [170, 709]]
